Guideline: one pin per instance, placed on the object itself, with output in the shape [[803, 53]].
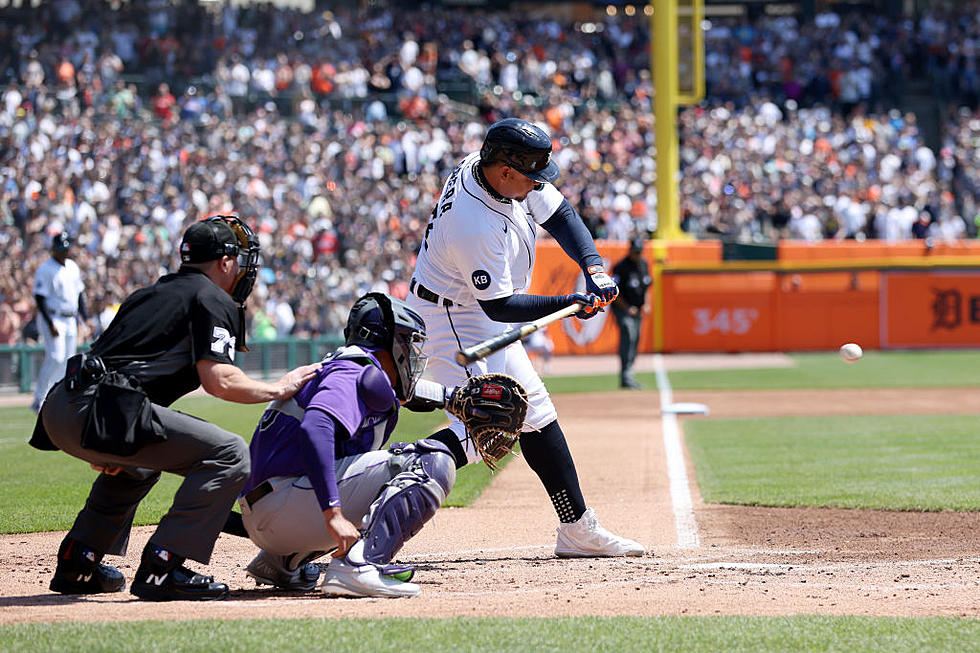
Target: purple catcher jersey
[[336, 390]]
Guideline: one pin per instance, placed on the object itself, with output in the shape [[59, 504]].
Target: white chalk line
[[790, 567], [666, 550], [680, 490]]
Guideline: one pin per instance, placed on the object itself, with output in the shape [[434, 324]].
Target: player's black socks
[[547, 453]]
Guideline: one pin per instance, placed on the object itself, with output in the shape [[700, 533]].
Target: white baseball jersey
[[60, 286], [478, 247]]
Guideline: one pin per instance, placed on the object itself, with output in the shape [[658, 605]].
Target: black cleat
[[80, 572], [163, 577]]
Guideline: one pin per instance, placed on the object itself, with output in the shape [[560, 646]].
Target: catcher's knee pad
[[410, 499]]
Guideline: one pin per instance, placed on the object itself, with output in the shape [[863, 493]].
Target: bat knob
[[462, 358]]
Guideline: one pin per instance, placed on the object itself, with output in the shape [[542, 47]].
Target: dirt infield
[[495, 558]]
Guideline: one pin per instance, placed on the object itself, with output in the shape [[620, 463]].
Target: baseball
[[851, 352]]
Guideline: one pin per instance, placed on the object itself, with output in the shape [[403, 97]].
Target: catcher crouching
[[320, 481]]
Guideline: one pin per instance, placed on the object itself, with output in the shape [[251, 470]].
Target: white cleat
[[343, 578], [587, 539], [268, 569]]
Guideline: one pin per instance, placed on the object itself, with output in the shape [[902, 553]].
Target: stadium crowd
[[329, 133]]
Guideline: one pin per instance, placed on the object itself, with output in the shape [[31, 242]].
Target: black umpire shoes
[[80, 571], [162, 576]]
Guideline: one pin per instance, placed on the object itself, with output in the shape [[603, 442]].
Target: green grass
[[44, 490], [883, 462], [893, 369], [563, 635]]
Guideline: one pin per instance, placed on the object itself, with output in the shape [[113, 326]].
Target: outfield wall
[[811, 297]]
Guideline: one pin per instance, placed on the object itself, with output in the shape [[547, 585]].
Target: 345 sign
[[737, 321]]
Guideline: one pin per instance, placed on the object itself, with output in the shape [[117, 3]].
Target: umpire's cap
[[522, 146], [208, 240], [61, 242]]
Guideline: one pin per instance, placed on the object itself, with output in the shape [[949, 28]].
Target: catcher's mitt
[[492, 406]]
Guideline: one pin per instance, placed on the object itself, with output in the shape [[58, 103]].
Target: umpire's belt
[[262, 489], [424, 293]]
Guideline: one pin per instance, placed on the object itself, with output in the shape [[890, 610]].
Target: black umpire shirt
[[634, 279], [161, 331]]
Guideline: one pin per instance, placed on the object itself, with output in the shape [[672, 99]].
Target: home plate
[[687, 408]]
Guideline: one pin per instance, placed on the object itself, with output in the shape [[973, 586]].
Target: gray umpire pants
[[289, 520], [213, 462], [629, 340]]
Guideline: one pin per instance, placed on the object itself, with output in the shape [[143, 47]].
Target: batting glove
[[591, 304], [597, 282]]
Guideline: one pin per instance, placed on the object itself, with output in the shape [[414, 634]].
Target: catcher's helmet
[[521, 145], [61, 242], [380, 321]]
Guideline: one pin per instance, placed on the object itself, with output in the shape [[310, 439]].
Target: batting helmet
[[380, 321], [522, 146], [61, 242]]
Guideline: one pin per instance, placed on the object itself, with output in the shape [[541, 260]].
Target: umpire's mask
[[224, 235]]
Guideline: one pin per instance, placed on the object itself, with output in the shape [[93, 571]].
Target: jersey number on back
[[445, 203]]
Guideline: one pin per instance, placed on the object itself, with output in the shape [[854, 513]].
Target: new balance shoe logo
[[84, 578], [156, 580]]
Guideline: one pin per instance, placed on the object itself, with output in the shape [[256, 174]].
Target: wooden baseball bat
[[490, 345]]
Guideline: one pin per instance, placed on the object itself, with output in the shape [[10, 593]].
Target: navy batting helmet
[[522, 146], [381, 321], [61, 242]]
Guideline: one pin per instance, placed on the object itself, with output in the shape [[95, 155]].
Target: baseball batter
[[59, 293], [471, 277]]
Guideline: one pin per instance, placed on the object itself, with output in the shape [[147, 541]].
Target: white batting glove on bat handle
[[601, 284]]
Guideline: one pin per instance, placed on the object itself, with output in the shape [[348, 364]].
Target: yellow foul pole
[[664, 55], [663, 60]]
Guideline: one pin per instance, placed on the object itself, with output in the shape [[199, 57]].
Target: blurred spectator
[[330, 132]]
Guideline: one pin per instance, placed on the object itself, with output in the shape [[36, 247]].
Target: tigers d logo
[[947, 309]]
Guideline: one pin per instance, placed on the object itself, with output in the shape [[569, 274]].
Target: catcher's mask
[[224, 235], [380, 321]]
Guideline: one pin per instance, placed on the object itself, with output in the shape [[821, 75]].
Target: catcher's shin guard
[[410, 499]]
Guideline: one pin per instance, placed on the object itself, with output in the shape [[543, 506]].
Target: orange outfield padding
[[931, 308], [769, 311], [853, 251], [718, 307]]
